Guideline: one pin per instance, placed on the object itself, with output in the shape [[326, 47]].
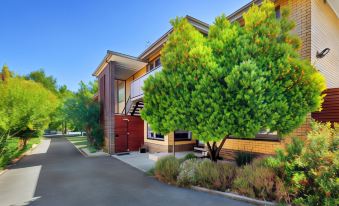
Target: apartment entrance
[[129, 133]]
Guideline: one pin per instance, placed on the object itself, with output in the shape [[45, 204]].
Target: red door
[[129, 133]]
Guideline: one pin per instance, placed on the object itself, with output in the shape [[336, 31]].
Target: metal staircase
[[133, 108]]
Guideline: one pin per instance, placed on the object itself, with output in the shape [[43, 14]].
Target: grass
[[13, 152], [80, 142]]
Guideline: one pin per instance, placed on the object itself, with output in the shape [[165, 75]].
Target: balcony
[[137, 84]]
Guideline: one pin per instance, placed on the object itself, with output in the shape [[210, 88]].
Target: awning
[[125, 65]]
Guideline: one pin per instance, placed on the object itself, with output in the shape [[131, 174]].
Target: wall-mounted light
[[322, 53]]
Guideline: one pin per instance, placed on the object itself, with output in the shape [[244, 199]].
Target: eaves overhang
[[123, 62]]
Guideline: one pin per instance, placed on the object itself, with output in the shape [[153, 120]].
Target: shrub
[[207, 174], [226, 176], [244, 158], [311, 169], [167, 169], [189, 156], [259, 182], [187, 174], [213, 175], [151, 172]]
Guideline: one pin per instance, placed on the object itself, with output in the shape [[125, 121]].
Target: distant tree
[[5, 73], [83, 111], [25, 108], [236, 81], [40, 76], [59, 118]]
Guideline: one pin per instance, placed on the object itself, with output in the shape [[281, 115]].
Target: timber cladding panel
[[105, 99], [330, 111], [325, 34], [153, 147]]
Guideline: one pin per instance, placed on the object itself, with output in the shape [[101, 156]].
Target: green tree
[[59, 118], [236, 81], [83, 111], [25, 108], [5, 73], [40, 76]]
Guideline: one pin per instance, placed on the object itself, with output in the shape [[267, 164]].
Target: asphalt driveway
[[59, 175]]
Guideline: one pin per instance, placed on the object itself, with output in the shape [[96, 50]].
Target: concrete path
[[62, 176], [137, 160]]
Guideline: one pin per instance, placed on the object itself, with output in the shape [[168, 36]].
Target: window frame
[[154, 136], [189, 135]]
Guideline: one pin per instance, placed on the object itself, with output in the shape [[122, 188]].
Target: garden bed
[[306, 173], [81, 143], [12, 151]]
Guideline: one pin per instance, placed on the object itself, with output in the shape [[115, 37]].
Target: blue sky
[[69, 38]]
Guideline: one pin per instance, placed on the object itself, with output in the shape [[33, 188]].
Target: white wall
[[325, 34]]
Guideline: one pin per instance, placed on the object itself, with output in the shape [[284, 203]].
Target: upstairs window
[[157, 62], [154, 64]]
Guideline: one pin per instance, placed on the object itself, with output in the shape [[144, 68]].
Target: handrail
[[127, 105], [136, 85], [147, 73]]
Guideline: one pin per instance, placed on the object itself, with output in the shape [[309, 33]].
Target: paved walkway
[[62, 176]]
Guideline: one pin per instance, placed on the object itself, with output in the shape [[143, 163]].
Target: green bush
[[311, 169], [259, 182], [207, 174], [189, 156], [227, 174], [187, 174], [213, 175], [167, 169], [244, 158]]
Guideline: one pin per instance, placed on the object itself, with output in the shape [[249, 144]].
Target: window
[[157, 62], [263, 135], [150, 66], [153, 135], [181, 135], [154, 64], [121, 91], [119, 95]]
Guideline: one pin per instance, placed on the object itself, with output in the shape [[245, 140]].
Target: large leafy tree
[[25, 107], [59, 120], [83, 111], [235, 82]]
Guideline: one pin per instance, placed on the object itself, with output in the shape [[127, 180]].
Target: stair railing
[[127, 106]]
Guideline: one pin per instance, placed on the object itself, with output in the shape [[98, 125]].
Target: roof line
[[154, 44], [233, 16], [124, 55]]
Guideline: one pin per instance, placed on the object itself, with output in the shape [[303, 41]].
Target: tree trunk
[[64, 127], [22, 143], [214, 150], [89, 137]]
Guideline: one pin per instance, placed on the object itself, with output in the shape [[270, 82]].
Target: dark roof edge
[[235, 15], [200, 25], [123, 55]]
